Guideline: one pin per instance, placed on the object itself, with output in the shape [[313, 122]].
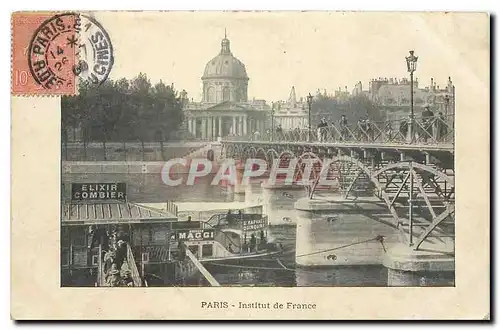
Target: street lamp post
[[446, 104], [272, 121], [411, 63], [309, 104]]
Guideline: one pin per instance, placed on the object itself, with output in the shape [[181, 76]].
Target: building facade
[[224, 109], [292, 113], [393, 96]]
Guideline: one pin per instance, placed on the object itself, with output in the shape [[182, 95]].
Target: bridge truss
[[415, 181]]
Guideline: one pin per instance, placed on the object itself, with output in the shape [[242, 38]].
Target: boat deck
[[96, 213]]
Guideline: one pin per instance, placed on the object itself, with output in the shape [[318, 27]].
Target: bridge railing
[[433, 130]]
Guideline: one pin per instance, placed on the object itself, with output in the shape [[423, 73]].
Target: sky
[[308, 50]]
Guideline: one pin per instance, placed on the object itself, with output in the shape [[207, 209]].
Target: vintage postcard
[[250, 165]]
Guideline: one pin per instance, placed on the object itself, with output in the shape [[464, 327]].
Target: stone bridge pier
[[278, 200], [335, 233]]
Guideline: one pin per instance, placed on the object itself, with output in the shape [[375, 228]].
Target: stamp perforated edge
[[45, 93], [30, 94]]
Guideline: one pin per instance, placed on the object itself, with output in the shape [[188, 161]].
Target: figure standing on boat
[[253, 243]]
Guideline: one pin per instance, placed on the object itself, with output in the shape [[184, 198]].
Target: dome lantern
[[225, 49]]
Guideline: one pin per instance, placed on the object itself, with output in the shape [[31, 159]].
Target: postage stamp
[[217, 170], [51, 53]]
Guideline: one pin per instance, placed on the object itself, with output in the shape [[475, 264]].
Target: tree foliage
[[354, 108], [123, 110]]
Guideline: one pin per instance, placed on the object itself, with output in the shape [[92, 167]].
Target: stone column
[[209, 128], [214, 130], [220, 126], [240, 125], [245, 127], [194, 126], [190, 125], [203, 128], [234, 126]]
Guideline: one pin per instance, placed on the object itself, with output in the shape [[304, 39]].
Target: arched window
[[225, 94], [210, 94]]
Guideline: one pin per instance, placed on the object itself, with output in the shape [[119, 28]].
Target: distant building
[[292, 113], [342, 96], [358, 90], [224, 108], [393, 96]]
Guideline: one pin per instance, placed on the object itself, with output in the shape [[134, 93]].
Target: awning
[[94, 213]]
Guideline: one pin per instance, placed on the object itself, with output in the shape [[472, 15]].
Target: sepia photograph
[[256, 149], [164, 185]]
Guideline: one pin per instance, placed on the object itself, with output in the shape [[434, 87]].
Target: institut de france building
[[225, 109]]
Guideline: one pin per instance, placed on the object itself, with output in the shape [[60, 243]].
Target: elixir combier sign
[[98, 191]]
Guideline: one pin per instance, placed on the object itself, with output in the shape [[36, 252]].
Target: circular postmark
[[67, 46]]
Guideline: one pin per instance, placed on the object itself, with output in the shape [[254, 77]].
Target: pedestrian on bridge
[[322, 126], [369, 129], [403, 128], [427, 123], [362, 129], [343, 128], [442, 127], [279, 131], [388, 129]]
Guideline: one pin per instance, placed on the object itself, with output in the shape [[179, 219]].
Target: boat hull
[[260, 260]]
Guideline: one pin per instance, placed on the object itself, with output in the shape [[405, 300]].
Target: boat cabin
[[91, 225], [224, 233]]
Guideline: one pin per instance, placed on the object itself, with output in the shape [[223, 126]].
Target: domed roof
[[225, 65]]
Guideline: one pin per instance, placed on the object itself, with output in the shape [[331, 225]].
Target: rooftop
[[93, 213]]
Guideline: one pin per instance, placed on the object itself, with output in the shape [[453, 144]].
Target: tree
[[123, 110], [354, 108]]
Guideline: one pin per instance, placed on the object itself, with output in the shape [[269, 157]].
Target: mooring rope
[[284, 268], [379, 238], [249, 267]]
